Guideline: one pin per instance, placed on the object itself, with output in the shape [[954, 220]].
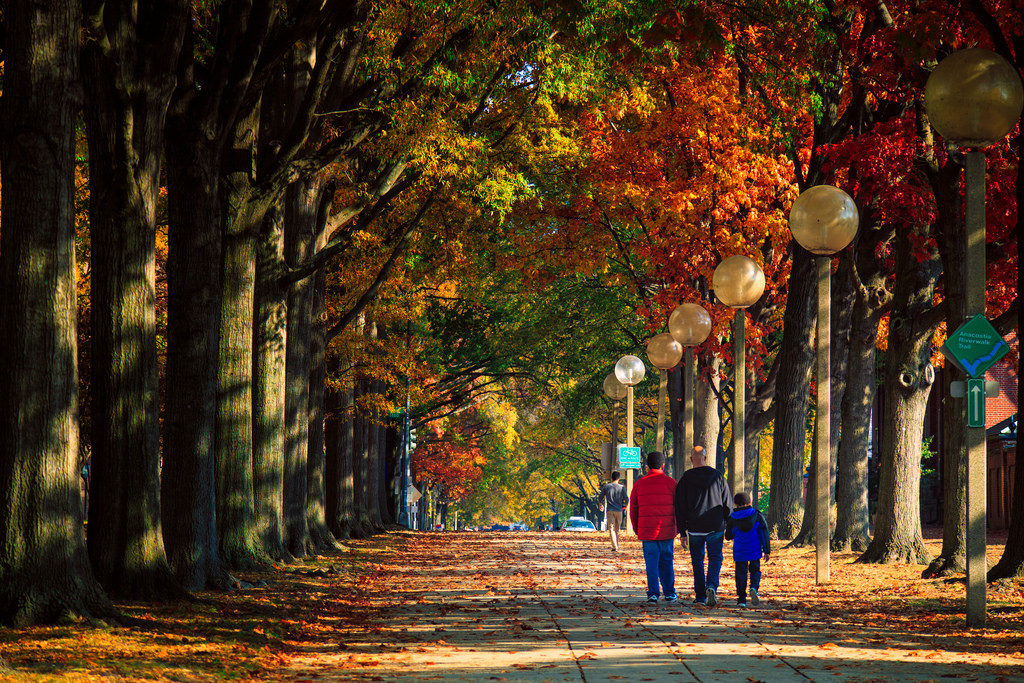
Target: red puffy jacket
[[651, 509]]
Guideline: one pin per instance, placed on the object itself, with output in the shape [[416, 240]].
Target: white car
[[578, 524]]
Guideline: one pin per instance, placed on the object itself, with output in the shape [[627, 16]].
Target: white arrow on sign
[[977, 397]]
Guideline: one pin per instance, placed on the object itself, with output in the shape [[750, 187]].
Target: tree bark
[[706, 424], [235, 493], [268, 392], [852, 530], [321, 538], [907, 380], [44, 567], [193, 312], [338, 470], [303, 200], [125, 131], [843, 296], [785, 508]]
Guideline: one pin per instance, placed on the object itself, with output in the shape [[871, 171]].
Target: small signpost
[[975, 402], [629, 456]]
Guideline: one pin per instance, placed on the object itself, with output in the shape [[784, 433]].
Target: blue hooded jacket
[[749, 533]]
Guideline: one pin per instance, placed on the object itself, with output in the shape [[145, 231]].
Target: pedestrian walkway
[[551, 607]]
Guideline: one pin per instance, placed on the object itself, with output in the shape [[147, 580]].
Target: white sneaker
[[712, 596], [755, 599]]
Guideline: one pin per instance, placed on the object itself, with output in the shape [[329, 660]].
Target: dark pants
[[713, 543], [658, 559], [742, 567]]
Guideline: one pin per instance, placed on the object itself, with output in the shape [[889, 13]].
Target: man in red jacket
[[652, 514]]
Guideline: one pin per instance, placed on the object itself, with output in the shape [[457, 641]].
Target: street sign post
[[629, 456], [975, 402], [975, 346]]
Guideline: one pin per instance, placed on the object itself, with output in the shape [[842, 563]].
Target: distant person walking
[[653, 519], [748, 531], [613, 497], [702, 505]]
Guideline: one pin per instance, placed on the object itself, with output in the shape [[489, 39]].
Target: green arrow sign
[[976, 403], [975, 347], [629, 456]]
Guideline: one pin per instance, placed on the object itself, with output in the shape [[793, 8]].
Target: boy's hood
[[743, 513]]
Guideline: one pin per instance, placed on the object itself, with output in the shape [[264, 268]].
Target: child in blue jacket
[[748, 531]]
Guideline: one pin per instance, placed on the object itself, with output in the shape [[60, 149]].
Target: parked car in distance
[[578, 524]]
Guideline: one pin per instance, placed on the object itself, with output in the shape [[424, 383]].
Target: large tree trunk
[[126, 135], [843, 297], [193, 312], [706, 423], [338, 470], [907, 380], [268, 390], [235, 493], [44, 568], [303, 201], [321, 539], [785, 508], [852, 516], [1012, 561]]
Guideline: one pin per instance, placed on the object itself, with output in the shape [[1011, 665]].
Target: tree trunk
[[907, 380], [338, 469], [785, 504], [126, 135], [235, 493], [193, 317], [843, 296], [316, 508], [268, 390], [44, 567], [1012, 561], [706, 423]]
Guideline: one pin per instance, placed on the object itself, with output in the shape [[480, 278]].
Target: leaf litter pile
[[542, 606]]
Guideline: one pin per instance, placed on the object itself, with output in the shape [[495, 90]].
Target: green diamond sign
[[629, 456], [975, 346]]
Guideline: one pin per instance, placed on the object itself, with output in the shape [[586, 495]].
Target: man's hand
[[767, 558], [684, 541], [600, 507]]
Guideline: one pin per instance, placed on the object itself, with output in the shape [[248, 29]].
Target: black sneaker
[[755, 599], [741, 605], [670, 598], [712, 596], [701, 603], [652, 598]]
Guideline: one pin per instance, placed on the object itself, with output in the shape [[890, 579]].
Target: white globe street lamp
[[689, 324], [738, 283], [973, 99], [823, 220], [629, 370]]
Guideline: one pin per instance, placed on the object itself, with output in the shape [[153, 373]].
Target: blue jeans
[[713, 543], [658, 558], [742, 567]]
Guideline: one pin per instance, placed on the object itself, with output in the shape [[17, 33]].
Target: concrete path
[[549, 607]]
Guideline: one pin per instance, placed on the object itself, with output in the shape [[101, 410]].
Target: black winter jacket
[[702, 501]]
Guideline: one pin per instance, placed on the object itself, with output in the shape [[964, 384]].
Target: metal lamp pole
[[629, 370], [823, 220], [664, 352], [973, 99], [738, 283]]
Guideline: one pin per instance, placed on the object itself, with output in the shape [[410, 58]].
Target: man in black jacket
[[702, 506], [613, 494]]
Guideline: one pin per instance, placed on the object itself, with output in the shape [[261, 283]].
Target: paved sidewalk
[[541, 607]]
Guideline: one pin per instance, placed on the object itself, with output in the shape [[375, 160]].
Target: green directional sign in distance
[[975, 347], [975, 402], [629, 456]]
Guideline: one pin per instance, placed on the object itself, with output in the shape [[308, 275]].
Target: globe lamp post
[[973, 99], [823, 220], [664, 352], [629, 370], [616, 391], [689, 324], [738, 283]]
